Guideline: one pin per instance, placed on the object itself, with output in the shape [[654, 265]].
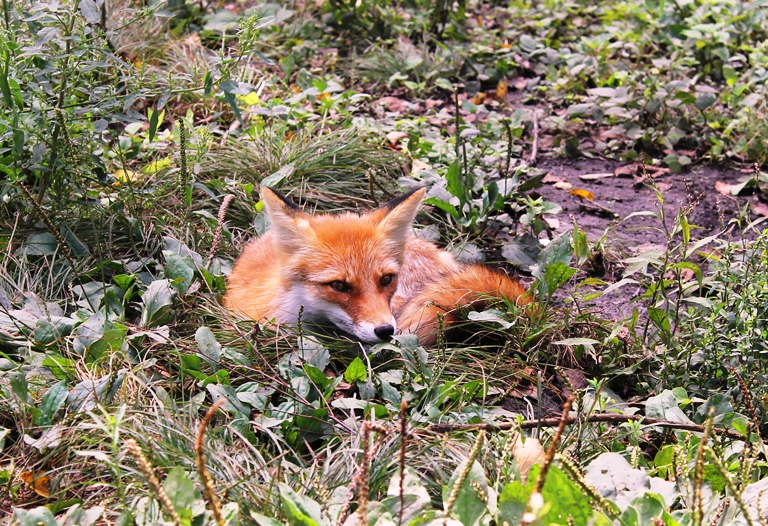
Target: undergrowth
[[133, 143]]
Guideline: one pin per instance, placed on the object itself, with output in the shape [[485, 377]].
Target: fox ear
[[396, 216], [289, 222]]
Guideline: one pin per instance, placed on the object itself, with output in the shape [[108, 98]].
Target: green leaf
[[181, 490], [40, 516], [513, 501], [555, 276], [442, 205], [470, 502], [263, 520], [153, 121], [210, 349], [558, 250], [274, 180], [91, 12], [694, 267], [178, 271], [301, 511], [455, 184], [705, 100], [232, 403], [19, 387], [522, 251], [566, 500], [51, 403], [356, 371], [660, 319], [157, 300], [230, 98]]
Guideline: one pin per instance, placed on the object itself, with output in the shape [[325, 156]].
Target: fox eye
[[386, 279], [340, 286]]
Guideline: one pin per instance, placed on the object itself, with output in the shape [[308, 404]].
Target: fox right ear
[[289, 222], [396, 217]]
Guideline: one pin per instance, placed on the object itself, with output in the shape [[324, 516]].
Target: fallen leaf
[[478, 98], [647, 247], [584, 194], [395, 136], [562, 185], [393, 104], [527, 453], [432, 103], [552, 178], [723, 188], [663, 187], [627, 170], [501, 90], [418, 166], [595, 176], [553, 222], [39, 482], [760, 209]]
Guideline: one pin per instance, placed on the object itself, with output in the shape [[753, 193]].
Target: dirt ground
[[615, 198]]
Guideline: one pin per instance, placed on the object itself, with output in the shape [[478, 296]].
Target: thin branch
[[609, 418]]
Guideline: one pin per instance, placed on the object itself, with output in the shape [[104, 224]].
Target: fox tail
[[473, 287]]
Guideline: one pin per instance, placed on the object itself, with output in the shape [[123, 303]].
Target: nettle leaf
[[555, 276], [356, 371], [157, 301], [559, 250], [470, 505]]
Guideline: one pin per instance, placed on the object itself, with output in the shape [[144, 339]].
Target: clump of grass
[[406, 61], [332, 170]]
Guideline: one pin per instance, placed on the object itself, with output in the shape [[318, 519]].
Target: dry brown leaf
[[663, 187], [527, 454], [418, 166], [552, 178], [39, 482], [760, 209], [501, 90], [395, 136], [723, 188], [478, 98], [595, 176], [628, 170], [562, 185], [553, 222]]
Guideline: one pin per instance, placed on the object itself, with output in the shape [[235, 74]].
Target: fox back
[[364, 274]]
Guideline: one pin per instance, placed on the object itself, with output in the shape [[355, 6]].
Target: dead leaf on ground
[[723, 188], [519, 83], [663, 187], [418, 166], [647, 247], [501, 90], [527, 453], [392, 104], [595, 176], [585, 194], [432, 103], [39, 482], [553, 222], [760, 209], [478, 98], [636, 169], [395, 136], [552, 178], [562, 185]]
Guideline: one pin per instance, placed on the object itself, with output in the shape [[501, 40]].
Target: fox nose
[[383, 332]]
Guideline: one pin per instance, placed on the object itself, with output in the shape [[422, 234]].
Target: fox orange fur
[[366, 274]]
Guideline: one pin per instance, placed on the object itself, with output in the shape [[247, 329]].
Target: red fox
[[366, 274]]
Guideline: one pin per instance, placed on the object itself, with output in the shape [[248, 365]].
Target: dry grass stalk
[[403, 444], [152, 481], [205, 476], [219, 227], [462, 476]]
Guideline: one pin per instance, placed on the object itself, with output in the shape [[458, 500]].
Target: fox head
[[343, 269]]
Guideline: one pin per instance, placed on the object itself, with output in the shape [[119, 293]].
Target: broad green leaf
[[40, 516], [157, 301], [178, 271], [522, 251], [274, 180], [91, 12], [210, 349], [558, 250], [455, 184], [664, 406], [181, 490], [555, 276], [513, 501], [442, 205], [299, 510], [470, 505], [356, 371], [232, 402], [51, 403]]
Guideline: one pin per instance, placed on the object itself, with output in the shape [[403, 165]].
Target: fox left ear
[[290, 223], [396, 216]]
